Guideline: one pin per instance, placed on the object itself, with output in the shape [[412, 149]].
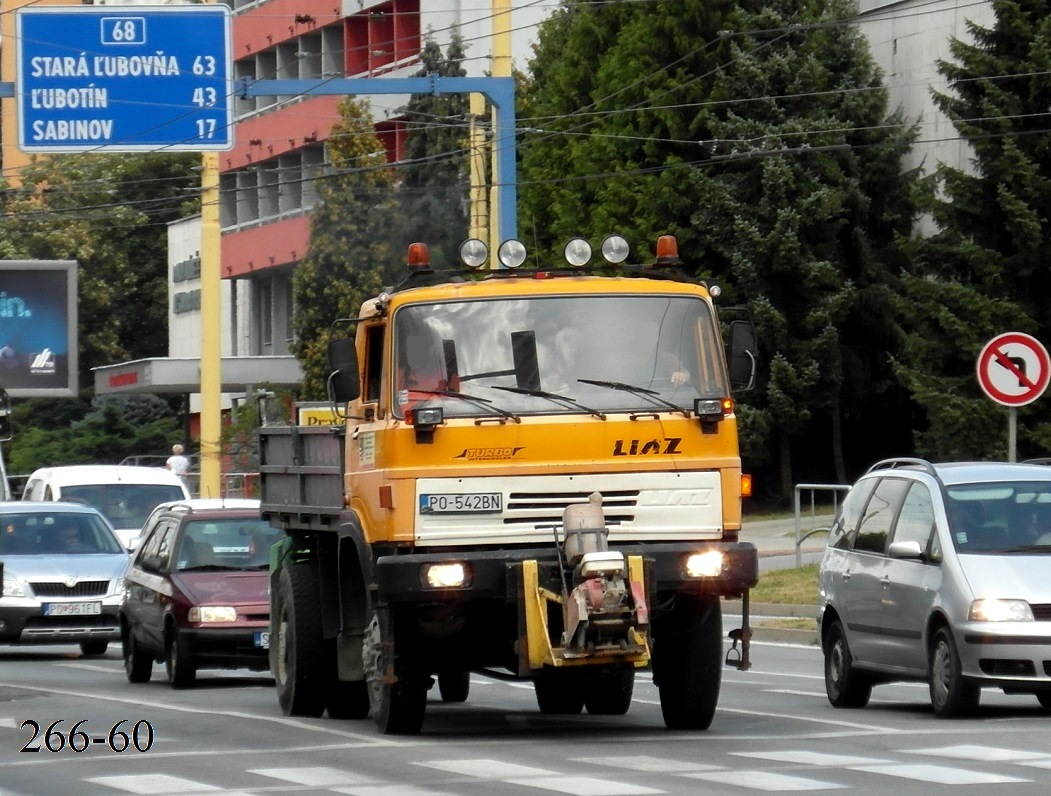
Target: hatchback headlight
[[14, 586], [213, 613], [993, 609]]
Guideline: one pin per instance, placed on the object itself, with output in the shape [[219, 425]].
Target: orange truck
[[535, 475]]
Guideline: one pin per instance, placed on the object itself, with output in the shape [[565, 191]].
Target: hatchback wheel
[[952, 695], [94, 647], [137, 664], [181, 670], [845, 686]]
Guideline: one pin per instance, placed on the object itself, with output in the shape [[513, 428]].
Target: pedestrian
[[178, 463]]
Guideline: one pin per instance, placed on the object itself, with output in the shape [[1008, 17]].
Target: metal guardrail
[[813, 489]]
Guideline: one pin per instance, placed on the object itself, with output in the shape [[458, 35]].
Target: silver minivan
[[939, 573]]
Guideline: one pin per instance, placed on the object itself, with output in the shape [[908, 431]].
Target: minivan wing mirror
[[905, 550]]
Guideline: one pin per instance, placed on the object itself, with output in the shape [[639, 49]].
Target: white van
[[124, 494]]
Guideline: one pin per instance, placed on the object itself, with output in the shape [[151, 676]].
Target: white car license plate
[[471, 503], [262, 639], [72, 609]]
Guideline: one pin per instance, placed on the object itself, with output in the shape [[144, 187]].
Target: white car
[[940, 573], [124, 494], [63, 576]]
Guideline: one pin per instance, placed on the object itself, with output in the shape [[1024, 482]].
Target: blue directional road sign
[[124, 78]]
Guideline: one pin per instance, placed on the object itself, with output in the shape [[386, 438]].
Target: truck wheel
[[952, 695], [299, 670], [687, 664], [138, 666], [397, 707], [845, 687], [559, 693], [608, 692], [181, 670], [454, 685]]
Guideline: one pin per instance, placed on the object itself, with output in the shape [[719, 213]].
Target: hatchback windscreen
[[236, 544], [124, 505], [1003, 517], [50, 534]]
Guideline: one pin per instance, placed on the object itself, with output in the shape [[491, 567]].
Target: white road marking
[[647, 763], [941, 775], [815, 758], [583, 786], [389, 790], [314, 777], [977, 752], [766, 781], [153, 783], [486, 768]]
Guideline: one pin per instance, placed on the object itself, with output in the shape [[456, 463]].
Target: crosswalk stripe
[[769, 781], [583, 786], [153, 784], [646, 763], [316, 777], [940, 775]]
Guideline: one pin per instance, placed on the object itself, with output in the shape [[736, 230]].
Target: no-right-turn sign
[[1014, 369]]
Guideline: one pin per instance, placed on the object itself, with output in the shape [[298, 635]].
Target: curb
[[764, 613]]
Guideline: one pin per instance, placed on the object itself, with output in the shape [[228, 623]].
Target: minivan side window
[[916, 520], [845, 526], [880, 512]]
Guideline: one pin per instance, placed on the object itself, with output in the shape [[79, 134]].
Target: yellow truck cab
[[538, 476]]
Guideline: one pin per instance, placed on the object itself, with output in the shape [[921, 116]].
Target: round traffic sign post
[[1014, 370]]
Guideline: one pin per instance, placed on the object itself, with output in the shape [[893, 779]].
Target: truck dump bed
[[301, 474]]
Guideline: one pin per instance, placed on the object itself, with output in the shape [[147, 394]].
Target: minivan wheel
[[845, 687], [952, 695]]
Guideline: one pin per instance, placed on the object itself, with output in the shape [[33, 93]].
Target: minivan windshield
[[1001, 517], [124, 505], [559, 354]]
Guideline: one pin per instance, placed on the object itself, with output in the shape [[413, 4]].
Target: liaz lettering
[[669, 446]]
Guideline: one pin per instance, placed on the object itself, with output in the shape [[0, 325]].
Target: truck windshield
[[520, 355]]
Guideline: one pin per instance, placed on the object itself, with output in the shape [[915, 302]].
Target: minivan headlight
[[993, 609]]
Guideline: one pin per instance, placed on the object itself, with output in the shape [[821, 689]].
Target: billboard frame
[[17, 274]]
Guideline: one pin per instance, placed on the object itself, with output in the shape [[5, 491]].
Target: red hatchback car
[[195, 593]]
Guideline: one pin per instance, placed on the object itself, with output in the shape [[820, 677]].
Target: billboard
[[38, 328]]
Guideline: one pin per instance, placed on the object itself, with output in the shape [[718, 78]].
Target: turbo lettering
[[488, 454]]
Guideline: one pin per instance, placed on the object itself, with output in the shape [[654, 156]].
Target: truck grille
[[86, 588], [532, 508]]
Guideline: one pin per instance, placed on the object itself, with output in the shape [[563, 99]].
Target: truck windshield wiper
[[553, 397], [643, 392], [1029, 548], [483, 403]]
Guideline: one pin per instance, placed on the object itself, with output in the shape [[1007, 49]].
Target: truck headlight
[[708, 564], [992, 609], [213, 613], [449, 575]]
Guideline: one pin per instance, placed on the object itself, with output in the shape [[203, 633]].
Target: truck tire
[[299, 671], [687, 664], [608, 691], [559, 693], [454, 685], [182, 672], [397, 707]]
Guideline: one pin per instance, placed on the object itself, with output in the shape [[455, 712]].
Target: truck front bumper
[[493, 574]]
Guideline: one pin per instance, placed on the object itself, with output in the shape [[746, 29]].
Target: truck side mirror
[[344, 381], [743, 355]]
